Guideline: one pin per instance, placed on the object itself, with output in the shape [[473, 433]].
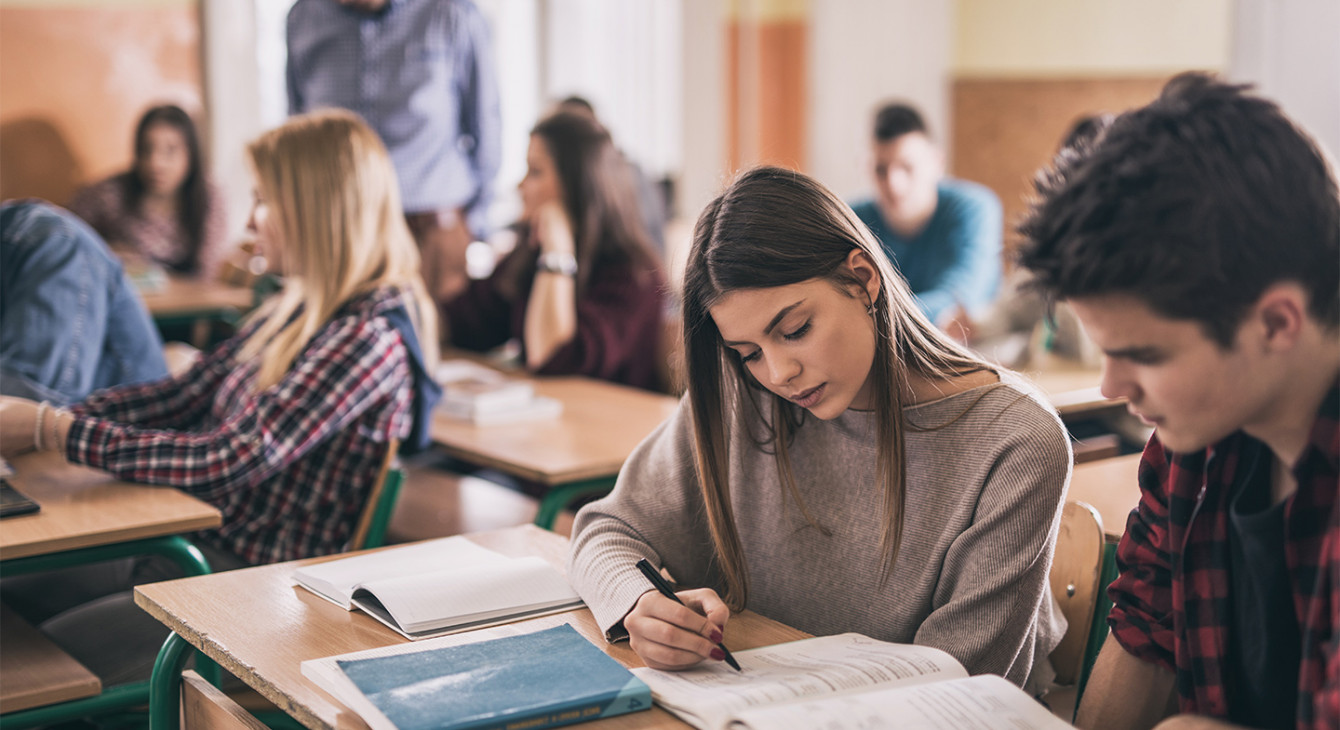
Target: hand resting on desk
[[670, 636]]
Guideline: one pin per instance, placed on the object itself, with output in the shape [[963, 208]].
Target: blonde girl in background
[[282, 428]]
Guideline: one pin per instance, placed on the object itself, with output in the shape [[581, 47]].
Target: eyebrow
[[771, 325], [1128, 353]]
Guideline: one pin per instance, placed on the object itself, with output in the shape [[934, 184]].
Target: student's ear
[[1281, 314], [866, 272]]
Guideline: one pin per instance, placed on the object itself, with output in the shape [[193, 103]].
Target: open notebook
[[440, 586]]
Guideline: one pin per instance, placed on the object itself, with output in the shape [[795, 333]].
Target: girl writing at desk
[[282, 428], [838, 464]]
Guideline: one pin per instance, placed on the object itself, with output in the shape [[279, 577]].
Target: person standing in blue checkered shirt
[[421, 73]]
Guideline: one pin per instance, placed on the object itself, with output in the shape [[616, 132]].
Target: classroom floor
[[437, 502]]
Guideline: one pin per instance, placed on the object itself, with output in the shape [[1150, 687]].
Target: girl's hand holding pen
[[669, 635]]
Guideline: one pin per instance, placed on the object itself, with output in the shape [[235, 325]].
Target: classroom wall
[[863, 55], [1291, 50], [1090, 38], [75, 75], [1025, 70]]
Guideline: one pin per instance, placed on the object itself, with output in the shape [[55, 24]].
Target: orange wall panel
[[1004, 130], [766, 87]]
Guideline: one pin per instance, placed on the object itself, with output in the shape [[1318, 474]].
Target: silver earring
[[870, 310]]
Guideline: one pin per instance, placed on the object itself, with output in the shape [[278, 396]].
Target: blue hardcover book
[[543, 679]]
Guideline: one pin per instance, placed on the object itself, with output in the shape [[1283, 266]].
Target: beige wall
[[1051, 38]]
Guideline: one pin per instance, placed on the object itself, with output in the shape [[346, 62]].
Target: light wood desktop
[[581, 450], [1109, 486], [1071, 386], [82, 507], [182, 297], [286, 625]]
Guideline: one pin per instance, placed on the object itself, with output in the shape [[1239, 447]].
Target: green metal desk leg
[[165, 684], [563, 495], [1098, 631], [175, 548]]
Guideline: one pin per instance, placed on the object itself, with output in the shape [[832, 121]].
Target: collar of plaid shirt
[[1198, 509]]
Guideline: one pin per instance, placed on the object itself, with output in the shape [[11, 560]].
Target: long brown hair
[[774, 227], [193, 195], [600, 197]]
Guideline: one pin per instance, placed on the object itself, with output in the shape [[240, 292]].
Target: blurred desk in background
[[197, 303], [577, 453]]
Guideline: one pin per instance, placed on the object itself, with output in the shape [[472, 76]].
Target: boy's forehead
[[1118, 321]]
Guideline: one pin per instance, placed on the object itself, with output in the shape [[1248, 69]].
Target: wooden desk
[[1109, 486], [1072, 387], [86, 516], [580, 452], [83, 508], [286, 625], [185, 298], [198, 303]]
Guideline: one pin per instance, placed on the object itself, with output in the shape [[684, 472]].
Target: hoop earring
[[870, 310]]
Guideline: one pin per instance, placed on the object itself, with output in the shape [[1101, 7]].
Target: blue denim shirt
[[71, 321], [421, 73]]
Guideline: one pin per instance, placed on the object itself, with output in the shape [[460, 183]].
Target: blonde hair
[[330, 185], [773, 227]]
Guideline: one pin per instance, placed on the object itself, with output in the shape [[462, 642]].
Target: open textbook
[[845, 681], [440, 586]]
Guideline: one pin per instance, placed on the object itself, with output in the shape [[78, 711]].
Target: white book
[[844, 681], [536, 408], [440, 586]]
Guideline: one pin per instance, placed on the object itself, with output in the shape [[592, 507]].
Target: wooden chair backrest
[[206, 707], [370, 507], [1075, 581]]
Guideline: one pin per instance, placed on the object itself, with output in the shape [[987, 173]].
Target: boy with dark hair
[[942, 234], [1199, 243]]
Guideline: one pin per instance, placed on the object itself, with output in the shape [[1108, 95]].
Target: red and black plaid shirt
[[289, 467], [1171, 600]]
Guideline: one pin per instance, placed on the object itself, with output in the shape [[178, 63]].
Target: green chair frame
[[124, 696], [164, 685]]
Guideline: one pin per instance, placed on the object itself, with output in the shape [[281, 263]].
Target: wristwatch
[[557, 262]]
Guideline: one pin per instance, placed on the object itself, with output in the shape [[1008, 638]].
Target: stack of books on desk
[[485, 397]]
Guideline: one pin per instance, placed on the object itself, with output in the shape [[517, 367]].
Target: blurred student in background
[[1007, 331], [70, 320], [582, 290], [282, 428], [942, 234], [650, 199], [164, 209]]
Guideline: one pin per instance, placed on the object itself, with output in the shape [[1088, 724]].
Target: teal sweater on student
[[955, 259]]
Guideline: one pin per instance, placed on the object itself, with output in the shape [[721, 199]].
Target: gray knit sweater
[[984, 495]]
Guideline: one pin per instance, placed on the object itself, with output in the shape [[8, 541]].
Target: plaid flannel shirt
[[1171, 599], [289, 467]]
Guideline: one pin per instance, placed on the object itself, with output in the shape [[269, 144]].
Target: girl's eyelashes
[[789, 336], [799, 333]]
